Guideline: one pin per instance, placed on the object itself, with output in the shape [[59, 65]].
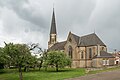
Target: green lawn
[[42, 75], [51, 74]]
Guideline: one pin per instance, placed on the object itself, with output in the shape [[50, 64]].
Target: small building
[[103, 59], [85, 51], [117, 58]]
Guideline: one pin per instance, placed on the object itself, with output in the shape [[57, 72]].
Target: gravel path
[[111, 75]]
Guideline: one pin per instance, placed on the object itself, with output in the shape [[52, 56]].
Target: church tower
[[53, 32]]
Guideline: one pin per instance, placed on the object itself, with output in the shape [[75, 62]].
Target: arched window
[[82, 55], [90, 53], [70, 51]]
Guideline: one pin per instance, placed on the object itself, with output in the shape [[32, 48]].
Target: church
[[84, 51]]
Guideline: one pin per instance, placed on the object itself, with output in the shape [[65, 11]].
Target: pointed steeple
[[53, 24], [53, 32]]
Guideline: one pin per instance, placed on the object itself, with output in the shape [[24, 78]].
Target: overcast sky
[[25, 21]]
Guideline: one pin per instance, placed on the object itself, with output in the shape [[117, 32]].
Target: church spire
[[53, 24], [53, 32]]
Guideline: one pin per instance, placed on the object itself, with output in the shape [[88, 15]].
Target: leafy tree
[[18, 54], [57, 59], [42, 59], [2, 58], [39, 51]]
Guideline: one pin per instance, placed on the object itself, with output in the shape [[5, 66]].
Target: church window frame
[[82, 55], [90, 53], [70, 52]]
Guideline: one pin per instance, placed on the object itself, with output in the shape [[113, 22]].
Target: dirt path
[[111, 75]]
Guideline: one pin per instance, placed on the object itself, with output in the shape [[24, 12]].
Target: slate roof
[[90, 40], [104, 54], [58, 46], [53, 24], [87, 40]]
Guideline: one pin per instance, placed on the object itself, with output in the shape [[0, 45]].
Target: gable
[[72, 38]]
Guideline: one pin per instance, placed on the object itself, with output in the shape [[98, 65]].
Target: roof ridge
[[74, 34], [88, 34], [61, 42]]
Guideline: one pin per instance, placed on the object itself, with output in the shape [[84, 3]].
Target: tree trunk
[[57, 67], [25, 69], [34, 67], [20, 73], [40, 65], [46, 68]]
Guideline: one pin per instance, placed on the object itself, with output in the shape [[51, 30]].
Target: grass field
[[51, 74], [12, 74]]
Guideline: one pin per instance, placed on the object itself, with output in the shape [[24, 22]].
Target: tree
[[37, 50], [58, 59], [18, 54], [2, 58], [42, 59]]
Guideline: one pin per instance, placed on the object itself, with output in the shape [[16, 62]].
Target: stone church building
[[85, 51]]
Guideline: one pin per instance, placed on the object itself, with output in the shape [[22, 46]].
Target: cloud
[[17, 28], [27, 10], [30, 20], [106, 20]]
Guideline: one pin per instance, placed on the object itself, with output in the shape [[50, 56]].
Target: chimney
[[98, 50]]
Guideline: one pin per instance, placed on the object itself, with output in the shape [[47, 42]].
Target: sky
[[29, 21]]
